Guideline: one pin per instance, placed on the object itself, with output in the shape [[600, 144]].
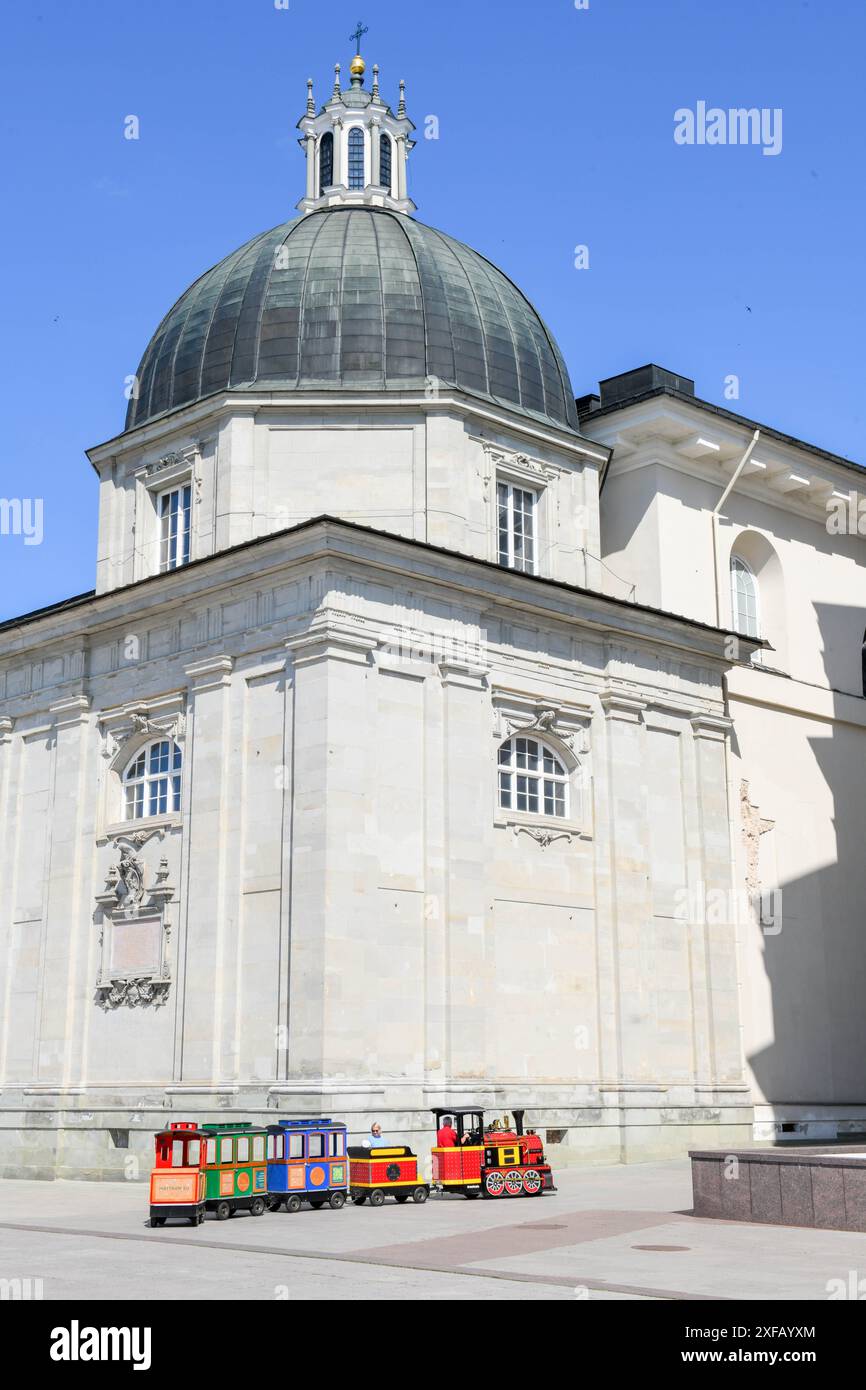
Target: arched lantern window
[[385, 161], [152, 780], [326, 161], [356, 157]]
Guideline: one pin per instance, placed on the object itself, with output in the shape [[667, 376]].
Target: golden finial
[[357, 67]]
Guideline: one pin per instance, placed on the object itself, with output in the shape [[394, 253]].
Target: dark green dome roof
[[356, 299]]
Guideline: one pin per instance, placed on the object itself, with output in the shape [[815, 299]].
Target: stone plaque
[[135, 946]]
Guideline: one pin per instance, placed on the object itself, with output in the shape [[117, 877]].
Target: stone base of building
[[107, 1135], [781, 1124]]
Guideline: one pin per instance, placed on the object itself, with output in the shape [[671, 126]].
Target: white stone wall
[[347, 911], [424, 469], [799, 722]]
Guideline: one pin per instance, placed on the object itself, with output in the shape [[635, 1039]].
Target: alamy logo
[[22, 516], [77, 1343], [739, 125]]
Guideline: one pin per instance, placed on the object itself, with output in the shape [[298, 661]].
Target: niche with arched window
[[385, 161], [326, 161], [152, 780], [356, 157], [744, 598], [532, 778]]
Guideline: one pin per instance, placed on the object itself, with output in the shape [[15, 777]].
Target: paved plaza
[[608, 1233]]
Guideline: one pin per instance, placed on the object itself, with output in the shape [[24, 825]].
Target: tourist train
[[226, 1168]]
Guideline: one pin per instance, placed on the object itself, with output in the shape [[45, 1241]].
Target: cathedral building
[[431, 735]]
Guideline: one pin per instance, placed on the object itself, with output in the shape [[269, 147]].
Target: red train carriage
[[482, 1160], [177, 1183], [375, 1174]]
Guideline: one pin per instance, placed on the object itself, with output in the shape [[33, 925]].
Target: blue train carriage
[[307, 1163]]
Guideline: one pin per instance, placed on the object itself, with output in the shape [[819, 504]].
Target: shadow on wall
[[812, 1001]]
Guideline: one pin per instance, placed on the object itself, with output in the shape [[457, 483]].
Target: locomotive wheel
[[494, 1184], [532, 1182], [337, 1200], [257, 1206], [420, 1194], [293, 1203], [223, 1211], [401, 1197], [377, 1197], [359, 1198], [513, 1183]]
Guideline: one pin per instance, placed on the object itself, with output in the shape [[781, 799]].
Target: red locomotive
[[478, 1159]]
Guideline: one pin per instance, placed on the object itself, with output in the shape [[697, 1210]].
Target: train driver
[[446, 1134]]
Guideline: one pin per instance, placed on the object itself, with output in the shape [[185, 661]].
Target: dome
[[359, 299]]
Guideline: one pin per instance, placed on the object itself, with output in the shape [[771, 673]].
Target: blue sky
[[555, 130]]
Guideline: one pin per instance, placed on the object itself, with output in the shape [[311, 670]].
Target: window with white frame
[[152, 781], [516, 516], [744, 598], [532, 778], [174, 509]]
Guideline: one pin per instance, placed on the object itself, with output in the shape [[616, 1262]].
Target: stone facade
[[341, 917]]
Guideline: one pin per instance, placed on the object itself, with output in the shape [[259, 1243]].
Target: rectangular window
[[193, 1153], [296, 1146], [515, 510], [271, 1148], [225, 1151], [315, 1146], [335, 1144], [177, 1153], [279, 1146], [243, 1150], [210, 1151], [174, 527], [258, 1148]]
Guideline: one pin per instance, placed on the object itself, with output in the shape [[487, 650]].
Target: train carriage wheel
[[359, 1198], [377, 1197], [471, 1192], [420, 1194], [199, 1220], [317, 1203], [494, 1184], [513, 1182], [257, 1206], [293, 1203], [273, 1203], [337, 1200], [223, 1211], [532, 1182]]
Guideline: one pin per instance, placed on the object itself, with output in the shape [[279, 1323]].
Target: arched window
[[326, 161], [151, 782], [356, 157], [385, 161], [744, 598], [532, 778]]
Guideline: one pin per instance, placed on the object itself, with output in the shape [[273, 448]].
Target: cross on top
[[358, 35]]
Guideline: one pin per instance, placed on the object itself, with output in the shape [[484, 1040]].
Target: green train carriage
[[235, 1169]]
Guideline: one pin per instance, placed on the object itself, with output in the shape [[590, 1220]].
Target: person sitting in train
[[375, 1139], [446, 1134]]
